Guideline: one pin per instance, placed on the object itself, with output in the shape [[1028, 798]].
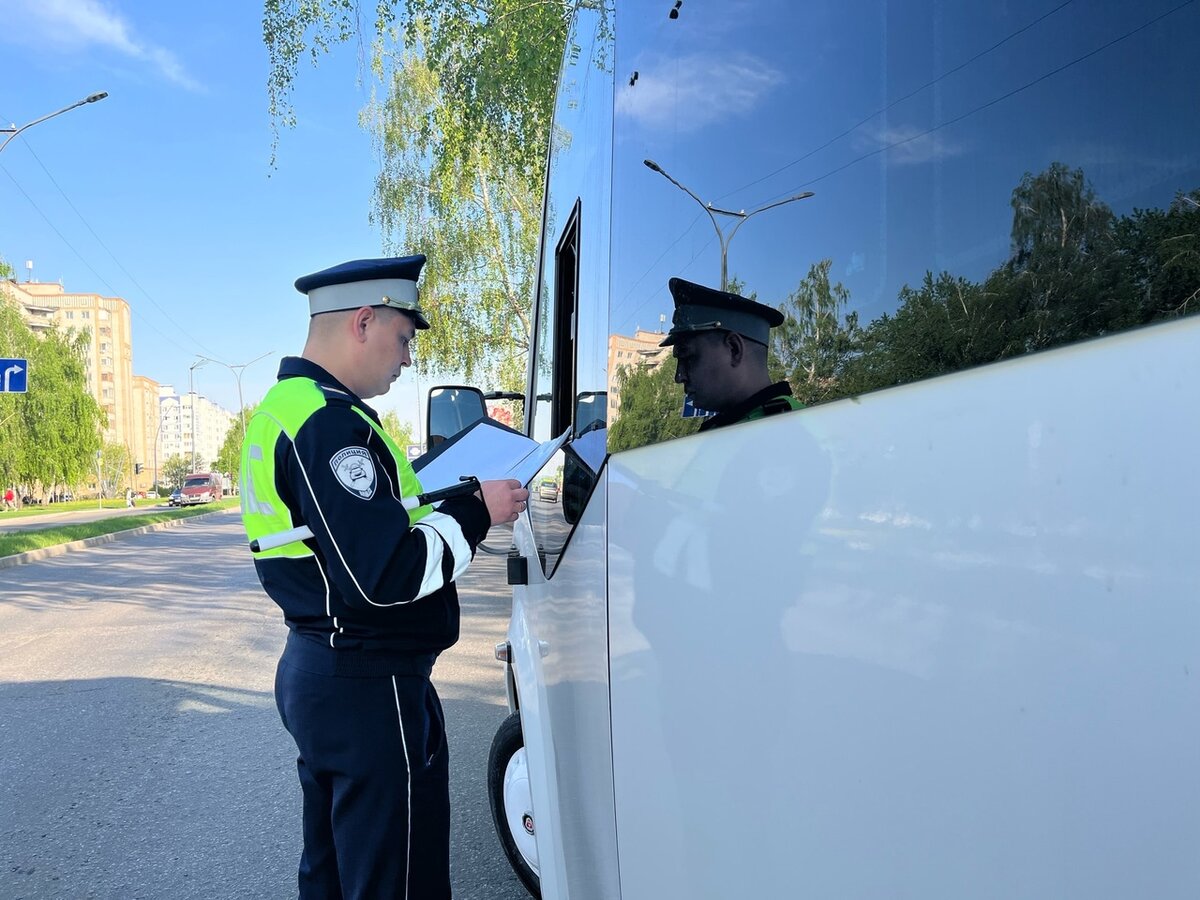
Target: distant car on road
[[548, 490], [176, 498], [201, 487]]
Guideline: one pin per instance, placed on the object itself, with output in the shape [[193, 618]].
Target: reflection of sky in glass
[[912, 123]]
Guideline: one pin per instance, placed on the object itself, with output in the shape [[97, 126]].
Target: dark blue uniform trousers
[[373, 765]]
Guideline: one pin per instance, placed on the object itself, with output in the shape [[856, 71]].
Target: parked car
[[548, 490], [176, 498]]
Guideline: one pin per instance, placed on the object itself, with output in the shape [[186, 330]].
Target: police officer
[[719, 342], [369, 600]]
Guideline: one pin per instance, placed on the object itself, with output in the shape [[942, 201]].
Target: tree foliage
[[811, 346], [1076, 271], [462, 129], [175, 469], [229, 457], [49, 435], [400, 432], [115, 466], [651, 407]]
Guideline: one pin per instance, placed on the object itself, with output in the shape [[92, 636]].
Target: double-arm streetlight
[[713, 211], [237, 370], [13, 131]]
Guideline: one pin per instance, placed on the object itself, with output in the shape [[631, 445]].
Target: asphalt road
[[141, 755]]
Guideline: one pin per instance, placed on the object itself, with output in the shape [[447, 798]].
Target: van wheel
[[512, 805]]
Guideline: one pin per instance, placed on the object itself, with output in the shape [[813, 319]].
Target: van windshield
[[197, 482]]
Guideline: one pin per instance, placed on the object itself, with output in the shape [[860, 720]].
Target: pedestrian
[[129, 497], [10, 499], [370, 599], [719, 342]]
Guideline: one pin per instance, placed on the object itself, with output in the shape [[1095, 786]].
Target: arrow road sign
[[14, 376]]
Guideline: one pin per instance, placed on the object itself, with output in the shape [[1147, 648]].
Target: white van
[[937, 634]]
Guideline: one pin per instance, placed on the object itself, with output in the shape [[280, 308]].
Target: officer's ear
[[736, 347], [359, 321]]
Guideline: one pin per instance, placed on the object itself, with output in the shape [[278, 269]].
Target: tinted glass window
[[571, 331], [988, 180]]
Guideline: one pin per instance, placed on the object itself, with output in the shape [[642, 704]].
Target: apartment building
[[109, 353], [143, 415], [639, 350], [192, 426]]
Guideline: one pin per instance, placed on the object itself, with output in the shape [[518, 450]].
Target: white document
[[488, 453]]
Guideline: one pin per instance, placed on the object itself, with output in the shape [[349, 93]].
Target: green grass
[[23, 541]]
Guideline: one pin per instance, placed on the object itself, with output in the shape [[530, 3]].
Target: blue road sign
[[694, 412], [14, 376]]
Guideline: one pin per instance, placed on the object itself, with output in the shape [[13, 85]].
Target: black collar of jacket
[[747, 406], [299, 367]]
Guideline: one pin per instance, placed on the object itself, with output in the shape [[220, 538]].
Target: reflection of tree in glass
[[1076, 271], [651, 403]]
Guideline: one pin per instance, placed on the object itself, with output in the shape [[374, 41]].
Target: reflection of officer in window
[[720, 350]]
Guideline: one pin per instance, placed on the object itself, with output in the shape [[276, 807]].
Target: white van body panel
[[560, 653], [843, 664]]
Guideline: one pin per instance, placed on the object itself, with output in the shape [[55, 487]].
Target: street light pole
[[713, 211], [13, 131], [157, 434], [238, 370], [192, 400]]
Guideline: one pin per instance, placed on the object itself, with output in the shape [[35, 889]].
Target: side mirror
[[451, 409]]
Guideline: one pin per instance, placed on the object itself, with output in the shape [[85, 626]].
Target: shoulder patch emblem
[[355, 471]]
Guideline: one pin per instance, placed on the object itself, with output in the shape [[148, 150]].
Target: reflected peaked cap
[[366, 282], [700, 308]]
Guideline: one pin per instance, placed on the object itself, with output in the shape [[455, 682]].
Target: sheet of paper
[[527, 468], [488, 453]]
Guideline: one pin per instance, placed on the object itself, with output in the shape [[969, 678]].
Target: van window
[[988, 180]]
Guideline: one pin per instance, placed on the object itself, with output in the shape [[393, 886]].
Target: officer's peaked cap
[[700, 308], [367, 282]]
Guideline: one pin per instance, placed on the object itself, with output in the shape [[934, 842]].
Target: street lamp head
[[653, 166], [92, 98]]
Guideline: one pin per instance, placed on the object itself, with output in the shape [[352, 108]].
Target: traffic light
[[137, 468]]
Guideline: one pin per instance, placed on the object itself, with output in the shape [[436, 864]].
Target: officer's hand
[[505, 499]]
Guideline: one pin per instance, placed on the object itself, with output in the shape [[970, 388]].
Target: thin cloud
[[699, 91], [908, 145], [90, 23]]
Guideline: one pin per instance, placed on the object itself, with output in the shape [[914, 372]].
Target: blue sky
[[163, 193]]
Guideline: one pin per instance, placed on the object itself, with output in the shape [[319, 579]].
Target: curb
[[17, 559]]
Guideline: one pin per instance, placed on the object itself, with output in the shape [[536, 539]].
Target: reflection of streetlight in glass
[[238, 369], [741, 215], [192, 400], [13, 131]]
